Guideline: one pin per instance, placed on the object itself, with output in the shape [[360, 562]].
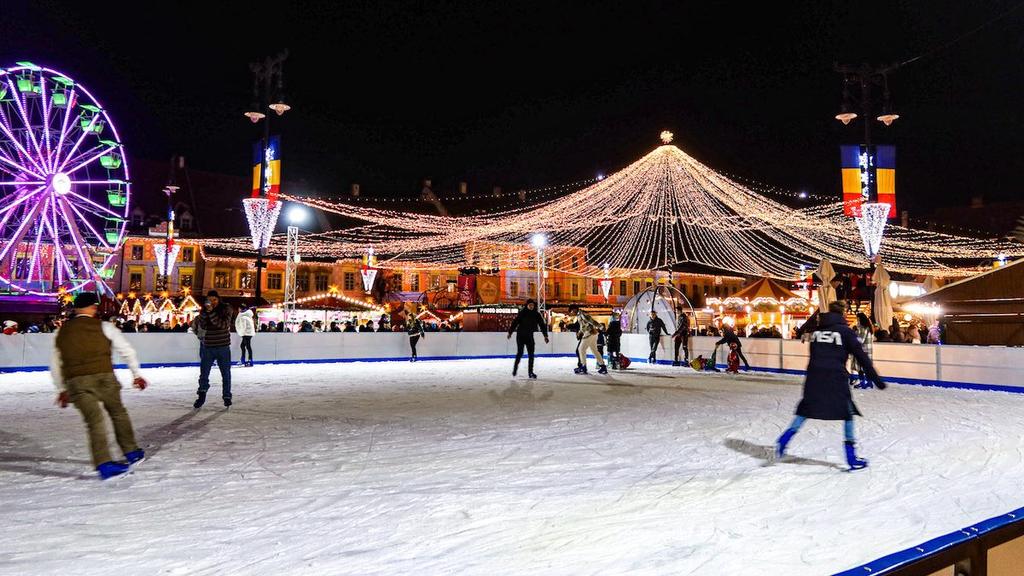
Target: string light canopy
[[664, 210]]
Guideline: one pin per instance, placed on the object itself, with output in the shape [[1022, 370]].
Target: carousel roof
[[766, 288]]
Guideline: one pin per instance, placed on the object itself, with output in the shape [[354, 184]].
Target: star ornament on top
[[666, 136]]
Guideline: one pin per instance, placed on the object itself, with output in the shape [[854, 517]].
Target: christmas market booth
[[325, 307], [164, 309], [763, 304]]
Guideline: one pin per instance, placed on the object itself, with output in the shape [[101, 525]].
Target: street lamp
[[866, 77], [267, 93], [540, 241]]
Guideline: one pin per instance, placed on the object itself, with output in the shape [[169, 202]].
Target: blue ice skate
[[135, 457], [783, 441], [111, 470], [852, 459]]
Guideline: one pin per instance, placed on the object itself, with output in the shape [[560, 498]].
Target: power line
[[967, 34]]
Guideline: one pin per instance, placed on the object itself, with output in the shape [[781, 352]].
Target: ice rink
[[455, 468]]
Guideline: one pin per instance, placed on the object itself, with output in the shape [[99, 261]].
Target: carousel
[[764, 305]]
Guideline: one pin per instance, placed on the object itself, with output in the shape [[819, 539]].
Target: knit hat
[[86, 299]]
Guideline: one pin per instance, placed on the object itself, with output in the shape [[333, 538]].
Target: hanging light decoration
[[262, 214], [369, 270], [165, 260], [871, 223], [606, 282]]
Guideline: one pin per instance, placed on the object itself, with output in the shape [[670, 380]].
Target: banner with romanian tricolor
[[868, 175], [271, 156]]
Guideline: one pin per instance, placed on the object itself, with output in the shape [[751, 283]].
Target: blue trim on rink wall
[[306, 361], [902, 558]]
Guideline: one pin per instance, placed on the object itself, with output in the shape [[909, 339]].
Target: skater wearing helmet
[[526, 323], [588, 329], [826, 388], [83, 372]]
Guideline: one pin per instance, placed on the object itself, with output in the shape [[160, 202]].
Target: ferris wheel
[[64, 190]]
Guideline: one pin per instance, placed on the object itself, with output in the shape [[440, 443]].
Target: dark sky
[[519, 94]]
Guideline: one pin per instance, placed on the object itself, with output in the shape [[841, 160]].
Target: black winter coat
[[526, 323], [730, 337], [656, 326], [614, 335], [827, 387]]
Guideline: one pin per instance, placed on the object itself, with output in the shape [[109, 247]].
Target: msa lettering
[[827, 338]]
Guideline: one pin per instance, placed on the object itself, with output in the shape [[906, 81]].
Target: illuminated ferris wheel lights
[[61, 183]]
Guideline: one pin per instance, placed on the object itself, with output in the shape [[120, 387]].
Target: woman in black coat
[[826, 389]]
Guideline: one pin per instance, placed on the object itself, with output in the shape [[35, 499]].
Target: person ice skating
[[601, 338], [528, 321], [415, 331], [826, 389], [82, 370], [614, 340], [246, 328], [729, 338], [681, 337], [655, 327], [215, 322], [866, 335], [588, 328]]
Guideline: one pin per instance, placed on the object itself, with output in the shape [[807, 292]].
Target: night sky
[[524, 95]]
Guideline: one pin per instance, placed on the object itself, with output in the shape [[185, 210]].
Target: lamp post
[[170, 253], [267, 93], [865, 77], [540, 241]]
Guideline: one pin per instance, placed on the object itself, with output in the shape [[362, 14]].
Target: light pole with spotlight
[[296, 215]]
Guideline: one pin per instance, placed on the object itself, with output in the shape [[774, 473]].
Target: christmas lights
[[871, 223], [262, 215], [166, 259], [665, 209]]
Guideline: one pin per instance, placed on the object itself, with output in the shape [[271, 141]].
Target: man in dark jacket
[[655, 327], [215, 321], [526, 323], [827, 388], [613, 337], [681, 337], [729, 337]]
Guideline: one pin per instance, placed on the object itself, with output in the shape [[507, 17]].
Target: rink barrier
[[967, 367], [993, 547]]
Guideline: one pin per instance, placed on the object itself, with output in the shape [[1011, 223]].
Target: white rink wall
[[921, 364]]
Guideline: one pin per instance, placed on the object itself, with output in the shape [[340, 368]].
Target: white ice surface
[[454, 468]]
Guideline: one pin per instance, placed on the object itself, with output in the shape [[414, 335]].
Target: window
[[575, 289], [185, 280], [322, 279], [595, 289], [135, 281], [622, 287], [718, 292], [246, 280], [186, 221], [273, 280], [649, 283], [531, 289], [575, 263], [137, 252], [396, 282], [414, 283], [221, 280], [350, 281], [636, 286], [558, 289], [187, 254], [494, 261], [302, 282], [435, 281], [513, 288]]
